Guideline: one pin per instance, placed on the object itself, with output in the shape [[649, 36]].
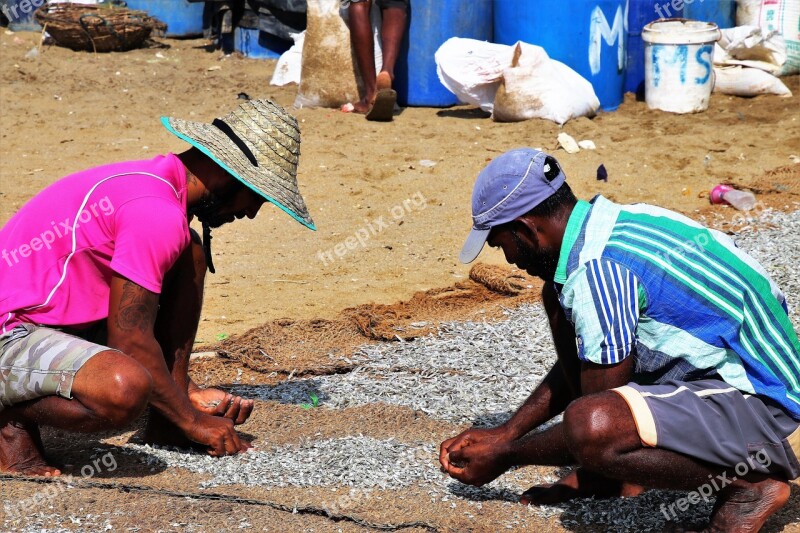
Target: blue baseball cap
[[508, 187]]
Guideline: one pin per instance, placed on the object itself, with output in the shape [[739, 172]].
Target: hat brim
[[220, 149], [473, 245]]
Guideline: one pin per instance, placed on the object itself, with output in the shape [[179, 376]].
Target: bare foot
[[361, 107], [21, 451], [744, 509], [383, 81], [580, 483]]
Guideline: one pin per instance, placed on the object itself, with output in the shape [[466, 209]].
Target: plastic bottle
[[725, 194]]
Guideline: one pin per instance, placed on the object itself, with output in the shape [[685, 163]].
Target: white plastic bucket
[[679, 68]]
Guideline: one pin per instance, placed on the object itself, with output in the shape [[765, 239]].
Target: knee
[[129, 386], [591, 431]]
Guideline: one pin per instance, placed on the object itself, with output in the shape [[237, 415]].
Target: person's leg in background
[[393, 28], [364, 49]]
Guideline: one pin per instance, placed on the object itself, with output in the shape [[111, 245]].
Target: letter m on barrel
[[600, 30]]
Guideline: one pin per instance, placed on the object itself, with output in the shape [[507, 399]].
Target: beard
[[540, 263], [213, 221], [206, 210]]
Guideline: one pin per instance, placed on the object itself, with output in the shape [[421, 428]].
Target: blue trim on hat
[[165, 122]]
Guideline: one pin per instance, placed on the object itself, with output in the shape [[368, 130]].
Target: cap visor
[[473, 246]]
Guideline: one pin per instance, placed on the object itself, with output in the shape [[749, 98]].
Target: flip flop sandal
[[382, 109]]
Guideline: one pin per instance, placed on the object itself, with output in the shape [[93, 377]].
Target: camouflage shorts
[[37, 361]]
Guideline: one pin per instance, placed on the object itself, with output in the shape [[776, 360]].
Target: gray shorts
[[711, 421], [37, 361]]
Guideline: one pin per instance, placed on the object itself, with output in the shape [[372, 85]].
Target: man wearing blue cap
[[677, 367]]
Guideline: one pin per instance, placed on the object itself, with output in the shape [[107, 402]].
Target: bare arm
[[179, 313], [479, 462], [549, 447], [478, 456], [549, 399], [176, 327], [131, 319], [599, 378], [561, 385]]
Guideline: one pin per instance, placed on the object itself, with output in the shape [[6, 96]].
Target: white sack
[[531, 84], [288, 68], [472, 69], [535, 86], [782, 16], [743, 81], [750, 46]]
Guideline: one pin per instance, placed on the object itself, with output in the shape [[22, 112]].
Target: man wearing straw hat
[[677, 364], [101, 286]]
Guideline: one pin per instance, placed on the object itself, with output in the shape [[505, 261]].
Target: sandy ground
[[63, 111]]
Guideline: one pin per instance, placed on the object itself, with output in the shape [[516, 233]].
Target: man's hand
[[216, 402], [218, 434], [470, 437], [482, 441], [477, 462]]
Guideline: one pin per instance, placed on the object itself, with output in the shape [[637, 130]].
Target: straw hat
[[259, 144]]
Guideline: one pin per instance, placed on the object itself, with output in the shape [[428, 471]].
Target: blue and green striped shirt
[[683, 298]]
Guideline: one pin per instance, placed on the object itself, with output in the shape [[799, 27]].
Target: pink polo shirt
[[58, 253]]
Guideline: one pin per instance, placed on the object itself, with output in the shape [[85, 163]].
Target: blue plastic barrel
[[587, 36], [720, 12], [431, 23], [641, 13], [259, 45], [183, 19], [20, 14]]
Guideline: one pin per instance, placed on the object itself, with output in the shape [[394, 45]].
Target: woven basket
[[97, 28]]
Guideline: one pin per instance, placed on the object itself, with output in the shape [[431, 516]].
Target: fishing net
[[308, 347]]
